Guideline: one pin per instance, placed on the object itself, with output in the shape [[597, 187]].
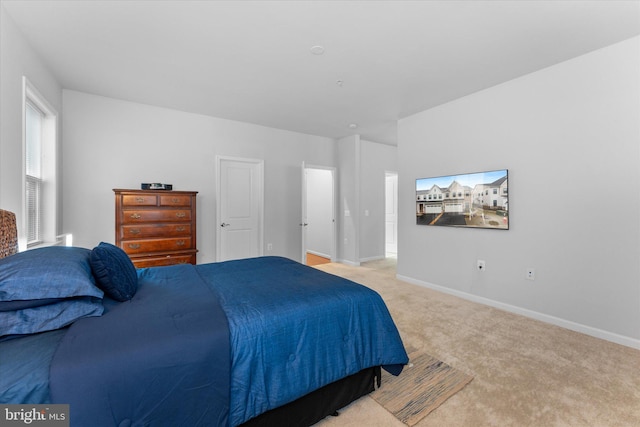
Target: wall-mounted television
[[475, 200]]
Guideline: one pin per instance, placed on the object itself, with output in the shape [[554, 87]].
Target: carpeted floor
[[526, 373]]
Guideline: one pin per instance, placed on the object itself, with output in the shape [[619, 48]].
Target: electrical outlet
[[530, 274], [480, 265], [269, 246]]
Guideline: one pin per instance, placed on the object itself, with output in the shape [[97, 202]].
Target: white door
[[240, 206], [391, 213], [303, 219], [318, 212]]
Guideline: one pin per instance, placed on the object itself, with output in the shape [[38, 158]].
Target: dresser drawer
[[175, 200], [156, 245], [154, 230], [139, 200], [159, 261], [130, 216]]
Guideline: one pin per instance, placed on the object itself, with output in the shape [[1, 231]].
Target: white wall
[[362, 165], [348, 195], [17, 59], [110, 143], [570, 137], [376, 159]]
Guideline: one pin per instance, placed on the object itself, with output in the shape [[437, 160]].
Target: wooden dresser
[[156, 227]]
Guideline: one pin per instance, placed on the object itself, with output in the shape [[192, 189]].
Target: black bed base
[[313, 407]]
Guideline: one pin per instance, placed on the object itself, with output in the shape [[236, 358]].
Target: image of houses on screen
[[478, 200]]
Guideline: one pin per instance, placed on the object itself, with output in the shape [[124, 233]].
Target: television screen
[[477, 200]]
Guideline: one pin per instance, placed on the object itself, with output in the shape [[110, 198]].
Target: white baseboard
[[372, 258], [567, 324], [347, 262]]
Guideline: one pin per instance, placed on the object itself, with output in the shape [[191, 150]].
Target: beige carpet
[[526, 373], [424, 384]]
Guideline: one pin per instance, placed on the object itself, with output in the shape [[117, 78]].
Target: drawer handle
[[134, 245], [175, 200], [135, 216], [180, 243], [140, 199], [181, 228], [134, 231], [181, 214]]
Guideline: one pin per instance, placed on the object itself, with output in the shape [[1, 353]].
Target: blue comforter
[[218, 344], [160, 359], [295, 329]]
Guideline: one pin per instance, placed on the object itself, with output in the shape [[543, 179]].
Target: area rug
[[422, 386]]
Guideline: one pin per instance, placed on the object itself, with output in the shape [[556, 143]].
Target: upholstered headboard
[[8, 234]]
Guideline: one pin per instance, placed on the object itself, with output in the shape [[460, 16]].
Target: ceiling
[[252, 61]]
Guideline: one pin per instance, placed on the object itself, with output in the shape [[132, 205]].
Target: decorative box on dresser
[[156, 227]]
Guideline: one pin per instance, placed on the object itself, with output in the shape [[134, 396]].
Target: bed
[[260, 341]]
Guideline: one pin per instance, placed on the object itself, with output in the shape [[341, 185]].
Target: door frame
[[260, 164], [334, 202], [388, 174]]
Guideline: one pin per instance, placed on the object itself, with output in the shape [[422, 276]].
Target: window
[[34, 119], [40, 170]]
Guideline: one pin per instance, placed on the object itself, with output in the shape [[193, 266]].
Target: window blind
[[33, 167]]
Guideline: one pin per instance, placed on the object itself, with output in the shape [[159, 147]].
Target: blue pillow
[[114, 272], [44, 273], [45, 289], [50, 316], [22, 304]]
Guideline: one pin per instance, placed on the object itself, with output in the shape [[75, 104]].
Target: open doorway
[[318, 224], [391, 214]]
